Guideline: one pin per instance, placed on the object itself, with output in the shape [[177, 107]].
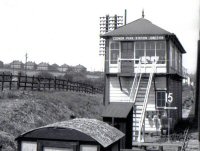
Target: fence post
[[38, 83], [67, 85], [25, 82], [44, 84], [63, 86], [2, 86], [18, 80], [32, 82], [10, 86], [58, 84], [49, 83]]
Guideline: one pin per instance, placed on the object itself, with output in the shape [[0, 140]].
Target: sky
[[63, 31]]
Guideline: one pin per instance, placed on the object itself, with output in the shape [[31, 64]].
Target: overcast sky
[[63, 31]]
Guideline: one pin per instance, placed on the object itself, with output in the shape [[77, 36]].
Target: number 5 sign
[[169, 97]]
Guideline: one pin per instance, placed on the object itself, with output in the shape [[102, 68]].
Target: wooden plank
[[2, 84]]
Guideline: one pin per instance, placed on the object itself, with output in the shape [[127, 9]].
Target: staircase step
[[140, 96], [138, 112], [141, 88], [141, 92], [138, 107], [137, 116]]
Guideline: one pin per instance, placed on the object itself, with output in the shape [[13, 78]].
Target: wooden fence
[[40, 83]]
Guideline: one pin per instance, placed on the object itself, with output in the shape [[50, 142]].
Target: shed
[[78, 134], [119, 115]]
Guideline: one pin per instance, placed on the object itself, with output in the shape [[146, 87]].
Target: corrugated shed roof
[[141, 26], [117, 110], [98, 130]]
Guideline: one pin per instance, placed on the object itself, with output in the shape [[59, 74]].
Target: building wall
[[175, 87], [116, 94], [175, 59]]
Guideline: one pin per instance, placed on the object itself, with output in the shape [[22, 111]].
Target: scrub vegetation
[[21, 111]]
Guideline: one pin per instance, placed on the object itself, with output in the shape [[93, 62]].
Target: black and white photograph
[[100, 75]]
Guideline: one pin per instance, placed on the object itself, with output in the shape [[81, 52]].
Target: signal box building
[[143, 74]]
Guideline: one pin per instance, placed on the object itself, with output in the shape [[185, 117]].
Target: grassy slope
[[21, 111]]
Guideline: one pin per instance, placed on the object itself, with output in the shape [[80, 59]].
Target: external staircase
[[138, 106], [139, 96]]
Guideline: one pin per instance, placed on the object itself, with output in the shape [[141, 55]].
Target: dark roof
[[57, 133], [144, 27], [117, 110], [79, 129], [141, 26]]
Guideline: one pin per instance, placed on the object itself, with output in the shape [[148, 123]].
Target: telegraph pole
[[198, 78], [197, 100]]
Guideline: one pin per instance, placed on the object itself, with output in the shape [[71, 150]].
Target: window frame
[[160, 107], [98, 147], [57, 144], [155, 50], [110, 52], [24, 141]]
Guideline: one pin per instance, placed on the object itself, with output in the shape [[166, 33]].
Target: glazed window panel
[[173, 57], [127, 50], [160, 99], [138, 55], [150, 49], [56, 149], [115, 45], [139, 50], [28, 146], [180, 63], [160, 52], [88, 148], [139, 45], [114, 52], [176, 59], [114, 56]]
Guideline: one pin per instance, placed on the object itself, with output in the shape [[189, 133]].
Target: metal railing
[[120, 61], [135, 85], [141, 124]]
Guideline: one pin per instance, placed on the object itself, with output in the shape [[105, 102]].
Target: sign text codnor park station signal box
[[143, 74]]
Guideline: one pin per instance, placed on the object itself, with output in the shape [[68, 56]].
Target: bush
[[45, 74]]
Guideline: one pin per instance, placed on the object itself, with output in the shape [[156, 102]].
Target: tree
[[45, 74], [53, 67]]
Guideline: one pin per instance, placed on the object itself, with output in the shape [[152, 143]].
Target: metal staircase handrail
[[145, 102], [135, 85]]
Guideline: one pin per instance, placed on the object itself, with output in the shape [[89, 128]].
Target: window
[[160, 52], [114, 52], [151, 51], [28, 146], [160, 99], [127, 50], [173, 57], [180, 63], [56, 149], [139, 50], [88, 148]]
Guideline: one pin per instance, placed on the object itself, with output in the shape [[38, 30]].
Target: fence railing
[[10, 81]]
